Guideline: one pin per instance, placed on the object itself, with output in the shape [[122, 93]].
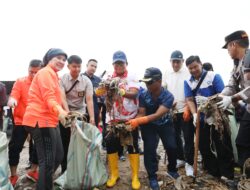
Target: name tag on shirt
[[81, 94]]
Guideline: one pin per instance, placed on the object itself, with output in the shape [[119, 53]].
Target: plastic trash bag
[[234, 131], [85, 169], [4, 164]]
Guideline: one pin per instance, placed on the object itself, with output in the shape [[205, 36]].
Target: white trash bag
[[85, 169], [4, 164]]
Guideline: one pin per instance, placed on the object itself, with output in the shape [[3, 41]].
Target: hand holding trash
[[225, 102], [62, 114], [100, 91], [134, 123], [12, 102], [200, 100]]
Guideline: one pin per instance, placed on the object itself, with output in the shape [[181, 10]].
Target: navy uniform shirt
[[165, 99]]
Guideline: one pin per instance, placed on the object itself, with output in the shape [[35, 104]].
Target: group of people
[[165, 109]]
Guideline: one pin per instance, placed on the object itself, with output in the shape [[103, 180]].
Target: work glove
[[225, 102], [100, 91], [134, 123], [121, 91], [194, 119], [186, 114], [200, 100], [12, 102]]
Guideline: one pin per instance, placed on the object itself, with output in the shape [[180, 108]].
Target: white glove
[[12, 102], [200, 100], [225, 102], [194, 119]]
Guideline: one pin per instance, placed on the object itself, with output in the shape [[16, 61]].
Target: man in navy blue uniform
[[155, 122], [201, 85]]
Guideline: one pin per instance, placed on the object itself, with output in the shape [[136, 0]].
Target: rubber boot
[[135, 164], [113, 169]]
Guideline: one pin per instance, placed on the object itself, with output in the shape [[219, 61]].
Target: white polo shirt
[[174, 81]]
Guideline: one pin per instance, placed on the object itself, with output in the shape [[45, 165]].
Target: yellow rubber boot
[[135, 164], [113, 169]]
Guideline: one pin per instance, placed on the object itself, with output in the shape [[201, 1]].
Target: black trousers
[[243, 139], [65, 136], [113, 144], [17, 140], [186, 153], [223, 163], [50, 154], [150, 136]]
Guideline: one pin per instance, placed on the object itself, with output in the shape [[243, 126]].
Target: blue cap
[[119, 56], [176, 55], [151, 73], [53, 52]]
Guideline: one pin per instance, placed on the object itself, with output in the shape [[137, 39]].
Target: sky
[[148, 31]]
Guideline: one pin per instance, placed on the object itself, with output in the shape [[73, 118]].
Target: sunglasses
[[150, 82]]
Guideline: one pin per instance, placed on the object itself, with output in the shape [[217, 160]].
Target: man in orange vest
[[18, 101]]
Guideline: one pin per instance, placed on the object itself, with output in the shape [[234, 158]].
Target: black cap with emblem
[[237, 35]]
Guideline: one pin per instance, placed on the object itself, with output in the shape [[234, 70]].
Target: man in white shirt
[[174, 82]]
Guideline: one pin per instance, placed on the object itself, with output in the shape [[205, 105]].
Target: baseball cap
[[150, 74], [119, 56], [237, 35], [176, 55]]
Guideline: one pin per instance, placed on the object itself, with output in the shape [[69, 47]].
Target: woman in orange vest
[[42, 115]]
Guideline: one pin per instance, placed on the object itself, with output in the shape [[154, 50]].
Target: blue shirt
[[165, 99], [211, 85]]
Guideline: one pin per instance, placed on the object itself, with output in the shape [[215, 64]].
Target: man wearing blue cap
[[124, 108], [155, 122], [238, 89], [172, 80]]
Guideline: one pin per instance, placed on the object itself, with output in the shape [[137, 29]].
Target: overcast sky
[[147, 31]]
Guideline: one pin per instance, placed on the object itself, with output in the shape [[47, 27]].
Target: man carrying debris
[[155, 122], [238, 88], [76, 88], [121, 106], [18, 100], [202, 84], [174, 82]]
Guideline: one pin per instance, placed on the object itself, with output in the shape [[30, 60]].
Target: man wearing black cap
[[155, 122], [171, 80], [238, 89]]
